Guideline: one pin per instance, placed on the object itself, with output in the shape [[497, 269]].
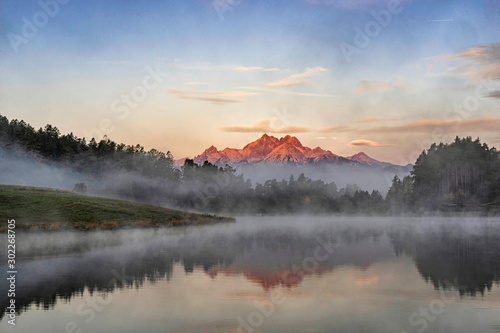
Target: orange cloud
[[480, 53], [264, 126], [368, 143], [246, 69], [483, 71], [298, 79], [475, 125], [211, 99], [334, 129], [289, 83], [310, 72], [285, 92], [193, 95]]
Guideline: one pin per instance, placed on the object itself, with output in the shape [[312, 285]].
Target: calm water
[[332, 274]]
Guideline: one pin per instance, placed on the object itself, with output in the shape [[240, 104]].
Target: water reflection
[[270, 254], [466, 256]]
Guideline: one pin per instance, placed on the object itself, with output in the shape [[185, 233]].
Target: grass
[[36, 208]]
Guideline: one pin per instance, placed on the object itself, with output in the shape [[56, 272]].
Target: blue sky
[[234, 69]]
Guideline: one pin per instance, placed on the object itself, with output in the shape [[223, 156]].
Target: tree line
[[463, 175]]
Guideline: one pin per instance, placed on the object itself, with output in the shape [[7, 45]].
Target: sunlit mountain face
[[270, 150], [270, 157]]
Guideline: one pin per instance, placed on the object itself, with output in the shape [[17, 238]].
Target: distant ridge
[[288, 149]]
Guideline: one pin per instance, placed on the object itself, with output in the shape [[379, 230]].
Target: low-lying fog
[[275, 251], [30, 170]]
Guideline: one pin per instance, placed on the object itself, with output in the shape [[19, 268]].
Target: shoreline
[[45, 209]]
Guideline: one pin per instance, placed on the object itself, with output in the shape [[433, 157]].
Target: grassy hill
[[42, 208]]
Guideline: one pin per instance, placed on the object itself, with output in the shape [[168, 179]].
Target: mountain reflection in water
[[270, 252]]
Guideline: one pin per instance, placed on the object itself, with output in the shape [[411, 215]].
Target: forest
[[461, 176]]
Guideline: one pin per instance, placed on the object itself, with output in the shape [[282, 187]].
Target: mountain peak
[[361, 157], [292, 140], [364, 158], [258, 149], [360, 154], [287, 149], [262, 141], [266, 137], [211, 150]]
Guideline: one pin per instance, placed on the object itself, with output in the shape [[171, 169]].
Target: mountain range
[[286, 150]]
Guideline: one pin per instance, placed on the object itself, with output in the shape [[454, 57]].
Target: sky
[[384, 77]]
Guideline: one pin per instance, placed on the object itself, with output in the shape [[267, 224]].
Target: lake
[[268, 274]]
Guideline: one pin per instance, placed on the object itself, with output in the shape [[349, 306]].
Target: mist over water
[[29, 169], [325, 266]]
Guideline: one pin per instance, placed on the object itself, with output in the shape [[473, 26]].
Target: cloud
[[368, 143], [247, 69], [478, 63], [310, 72], [298, 79], [479, 53], [194, 95], [264, 126], [370, 86], [195, 83], [210, 67], [218, 93], [211, 99], [281, 91], [474, 125], [494, 94], [483, 72], [288, 83], [337, 129]]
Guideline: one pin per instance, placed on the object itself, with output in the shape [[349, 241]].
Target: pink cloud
[[474, 125], [264, 126], [368, 143]]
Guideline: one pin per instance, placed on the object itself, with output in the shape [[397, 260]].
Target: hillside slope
[[42, 208]]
